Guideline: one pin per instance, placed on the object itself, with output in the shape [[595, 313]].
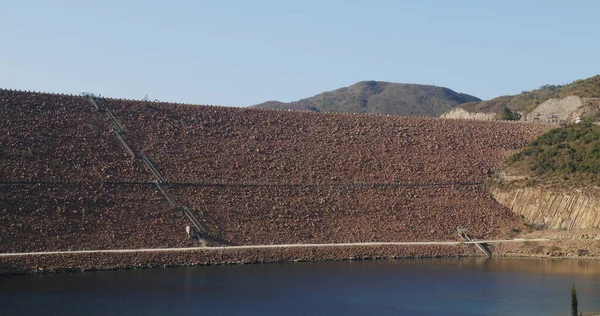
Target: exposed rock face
[[567, 109], [560, 108], [552, 209], [458, 113]]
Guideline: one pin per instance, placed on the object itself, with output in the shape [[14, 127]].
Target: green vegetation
[[529, 100], [574, 303], [570, 150], [508, 115], [377, 97]]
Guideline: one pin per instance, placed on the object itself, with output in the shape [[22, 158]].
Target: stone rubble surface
[[251, 176]]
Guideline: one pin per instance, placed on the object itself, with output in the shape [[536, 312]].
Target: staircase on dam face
[[196, 231], [481, 246]]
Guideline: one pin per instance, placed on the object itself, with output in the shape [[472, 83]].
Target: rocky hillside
[[570, 109], [527, 101], [377, 97], [573, 151], [553, 182], [250, 176]]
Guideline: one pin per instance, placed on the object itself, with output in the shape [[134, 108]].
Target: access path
[[410, 243]]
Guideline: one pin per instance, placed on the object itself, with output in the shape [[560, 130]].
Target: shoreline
[[102, 261], [79, 262]]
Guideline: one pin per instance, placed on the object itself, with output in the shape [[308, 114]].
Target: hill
[[564, 155], [553, 182], [527, 101], [378, 97]]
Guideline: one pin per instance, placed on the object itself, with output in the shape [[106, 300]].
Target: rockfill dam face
[[248, 176]]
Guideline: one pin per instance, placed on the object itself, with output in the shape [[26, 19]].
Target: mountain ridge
[[379, 97], [527, 101]]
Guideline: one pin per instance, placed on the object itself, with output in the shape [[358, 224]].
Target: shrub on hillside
[[575, 148], [508, 115]]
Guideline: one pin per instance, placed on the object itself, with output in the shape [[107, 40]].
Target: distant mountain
[[378, 97], [527, 101]]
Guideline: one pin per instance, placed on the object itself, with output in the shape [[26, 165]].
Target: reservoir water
[[471, 286]]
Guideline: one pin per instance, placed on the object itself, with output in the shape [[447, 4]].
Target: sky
[[240, 53]]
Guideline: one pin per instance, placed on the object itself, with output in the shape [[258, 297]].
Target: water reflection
[[581, 268], [475, 286]]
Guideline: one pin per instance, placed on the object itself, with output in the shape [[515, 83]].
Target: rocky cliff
[[553, 209], [458, 113], [573, 96], [567, 109]]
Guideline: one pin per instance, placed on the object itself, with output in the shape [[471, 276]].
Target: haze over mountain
[[378, 97]]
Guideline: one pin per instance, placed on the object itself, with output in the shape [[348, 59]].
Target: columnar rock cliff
[[553, 209]]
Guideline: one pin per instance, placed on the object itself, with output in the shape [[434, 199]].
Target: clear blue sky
[[245, 52]]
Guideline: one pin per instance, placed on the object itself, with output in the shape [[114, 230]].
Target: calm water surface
[[396, 287]]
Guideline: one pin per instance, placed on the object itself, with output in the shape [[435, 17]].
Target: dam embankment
[[250, 177]]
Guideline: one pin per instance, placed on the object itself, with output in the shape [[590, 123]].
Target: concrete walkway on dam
[[414, 243]]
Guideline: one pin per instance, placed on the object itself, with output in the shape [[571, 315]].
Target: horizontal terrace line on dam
[[249, 184], [250, 177], [409, 243]]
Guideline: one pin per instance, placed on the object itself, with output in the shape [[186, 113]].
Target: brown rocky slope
[[251, 176]]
